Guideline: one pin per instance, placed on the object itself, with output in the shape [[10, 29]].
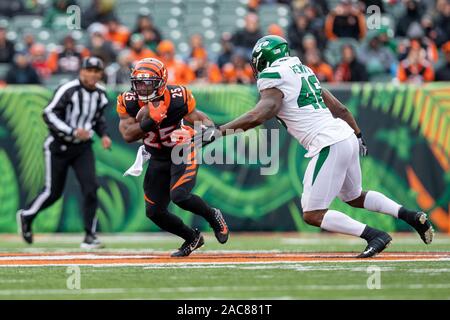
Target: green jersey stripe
[[269, 75]]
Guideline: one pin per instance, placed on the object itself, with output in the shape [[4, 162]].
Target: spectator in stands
[[416, 33], [298, 28], [226, 51], [442, 20], [99, 46], [34, 7], [28, 41], [10, 8], [66, 60], [443, 73], [178, 71], [21, 72], [415, 68], [322, 70], [412, 14], [152, 35], [276, 30], [309, 43], [58, 8], [7, 50], [433, 33], [198, 50], [246, 38], [100, 11], [205, 71], [238, 70], [138, 50], [376, 58], [302, 6], [119, 72], [316, 17], [145, 21], [385, 36], [39, 60], [350, 70], [345, 21], [118, 34], [151, 38]]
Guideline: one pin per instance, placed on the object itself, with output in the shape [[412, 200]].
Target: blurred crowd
[[334, 41]]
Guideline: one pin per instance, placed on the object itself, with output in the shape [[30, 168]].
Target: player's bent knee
[[153, 211], [314, 218], [179, 195], [358, 202]]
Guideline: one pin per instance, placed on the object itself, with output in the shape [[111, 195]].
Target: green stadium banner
[[407, 129]]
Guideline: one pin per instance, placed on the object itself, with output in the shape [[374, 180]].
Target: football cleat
[[91, 242], [220, 227], [376, 245], [24, 227], [190, 245], [423, 227]]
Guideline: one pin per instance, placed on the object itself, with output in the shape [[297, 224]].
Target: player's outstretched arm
[[198, 116], [130, 129], [267, 107], [338, 110]]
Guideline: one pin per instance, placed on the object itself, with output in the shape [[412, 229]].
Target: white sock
[[378, 202], [339, 222]]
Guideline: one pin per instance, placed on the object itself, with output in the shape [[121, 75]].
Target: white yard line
[[212, 264], [347, 287]]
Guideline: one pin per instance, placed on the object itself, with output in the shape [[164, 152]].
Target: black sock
[[198, 206], [406, 215], [369, 233]]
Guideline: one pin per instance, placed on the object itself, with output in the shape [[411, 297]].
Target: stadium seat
[[4, 22], [57, 79], [22, 22]]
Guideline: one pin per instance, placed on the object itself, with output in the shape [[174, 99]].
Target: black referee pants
[[58, 158]]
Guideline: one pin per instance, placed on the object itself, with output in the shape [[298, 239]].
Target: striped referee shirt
[[74, 106]]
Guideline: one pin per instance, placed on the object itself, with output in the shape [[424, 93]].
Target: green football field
[[250, 266]]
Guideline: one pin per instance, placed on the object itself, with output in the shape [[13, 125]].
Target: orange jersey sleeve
[[190, 101], [121, 109]]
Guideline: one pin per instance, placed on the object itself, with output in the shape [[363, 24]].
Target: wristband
[[147, 125], [359, 135]]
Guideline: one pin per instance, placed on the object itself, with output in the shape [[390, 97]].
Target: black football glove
[[363, 151], [208, 135]]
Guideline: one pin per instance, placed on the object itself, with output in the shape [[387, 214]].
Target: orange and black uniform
[[164, 180]]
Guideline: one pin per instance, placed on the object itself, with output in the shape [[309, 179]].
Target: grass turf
[[322, 280]]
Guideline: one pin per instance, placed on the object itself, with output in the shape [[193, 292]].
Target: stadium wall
[[407, 129]]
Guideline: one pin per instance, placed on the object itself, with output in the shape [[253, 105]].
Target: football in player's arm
[[150, 116]]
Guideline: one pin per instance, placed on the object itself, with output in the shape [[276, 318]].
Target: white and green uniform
[[334, 168]]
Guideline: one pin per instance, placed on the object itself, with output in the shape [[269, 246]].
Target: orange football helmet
[[149, 79]]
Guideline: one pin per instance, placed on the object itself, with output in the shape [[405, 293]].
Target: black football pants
[[58, 158], [165, 182]]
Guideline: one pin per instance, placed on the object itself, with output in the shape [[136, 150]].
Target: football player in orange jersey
[[151, 111]]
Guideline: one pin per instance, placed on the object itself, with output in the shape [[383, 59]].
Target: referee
[[72, 116]]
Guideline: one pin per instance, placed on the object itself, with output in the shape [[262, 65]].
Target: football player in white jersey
[[291, 92]]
